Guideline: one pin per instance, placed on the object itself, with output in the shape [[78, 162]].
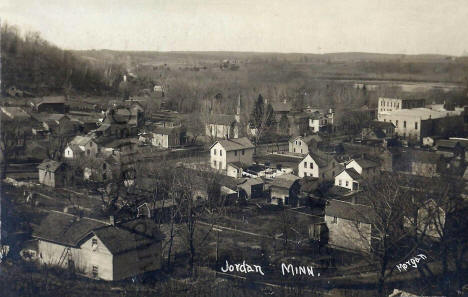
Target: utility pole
[[217, 243]]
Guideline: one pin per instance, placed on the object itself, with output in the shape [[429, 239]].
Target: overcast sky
[[306, 26]]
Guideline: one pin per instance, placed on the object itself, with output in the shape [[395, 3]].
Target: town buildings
[[416, 123], [387, 105], [226, 151]]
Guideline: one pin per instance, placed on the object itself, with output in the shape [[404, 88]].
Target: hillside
[[32, 64]]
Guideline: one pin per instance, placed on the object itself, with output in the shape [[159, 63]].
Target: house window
[[95, 271], [305, 164], [220, 152], [347, 183], [294, 149], [243, 152], [214, 163], [214, 152], [404, 124], [416, 125], [104, 166], [339, 182], [334, 220], [299, 143], [311, 165], [235, 153], [94, 244]]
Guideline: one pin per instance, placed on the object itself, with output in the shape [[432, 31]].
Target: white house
[[349, 178], [227, 151], [96, 249], [366, 168], [304, 144], [308, 167], [323, 167], [81, 145]]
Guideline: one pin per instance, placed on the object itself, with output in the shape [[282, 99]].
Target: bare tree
[[13, 137], [380, 207]]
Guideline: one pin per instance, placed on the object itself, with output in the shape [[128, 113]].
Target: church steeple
[[238, 110]]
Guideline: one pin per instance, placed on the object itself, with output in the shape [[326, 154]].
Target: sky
[[300, 26]]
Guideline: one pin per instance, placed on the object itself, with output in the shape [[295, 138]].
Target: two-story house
[[323, 167], [349, 178], [81, 146], [304, 144], [365, 167], [227, 151]]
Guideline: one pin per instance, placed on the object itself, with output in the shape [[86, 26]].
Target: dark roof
[[235, 144], [222, 119], [338, 191], [320, 160], [366, 163], [50, 165], [129, 235], [167, 130], [49, 100], [352, 172], [238, 165], [64, 228], [284, 181], [309, 184], [349, 211], [46, 117], [70, 230], [381, 125]]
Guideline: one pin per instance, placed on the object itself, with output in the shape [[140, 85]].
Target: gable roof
[[167, 130], [365, 163], [321, 162], [352, 173], [307, 139], [49, 165], [349, 211], [284, 181], [235, 144], [64, 228], [129, 235], [81, 140]]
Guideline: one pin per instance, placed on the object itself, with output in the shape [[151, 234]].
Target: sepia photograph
[[233, 148]]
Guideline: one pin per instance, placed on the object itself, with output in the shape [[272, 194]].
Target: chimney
[[112, 220]]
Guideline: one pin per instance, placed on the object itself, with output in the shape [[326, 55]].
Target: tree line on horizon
[[31, 63]]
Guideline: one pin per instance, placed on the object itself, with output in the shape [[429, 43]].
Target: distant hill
[[32, 64]]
